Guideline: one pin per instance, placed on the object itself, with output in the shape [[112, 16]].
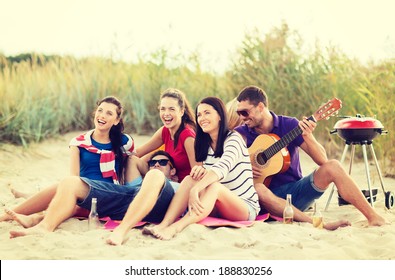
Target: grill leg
[[351, 159], [341, 161], [377, 167], [365, 157]]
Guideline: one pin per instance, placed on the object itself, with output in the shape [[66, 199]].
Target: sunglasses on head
[[162, 162]]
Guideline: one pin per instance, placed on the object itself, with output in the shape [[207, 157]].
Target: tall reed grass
[[41, 100], [297, 83]]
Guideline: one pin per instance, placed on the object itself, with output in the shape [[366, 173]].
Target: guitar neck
[[284, 141]]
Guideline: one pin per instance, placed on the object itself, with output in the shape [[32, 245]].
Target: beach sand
[[48, 162]]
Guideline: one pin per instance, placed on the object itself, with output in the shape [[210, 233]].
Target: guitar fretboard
[[267, 154]]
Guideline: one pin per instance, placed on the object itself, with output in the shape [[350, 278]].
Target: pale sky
[[121, 28]]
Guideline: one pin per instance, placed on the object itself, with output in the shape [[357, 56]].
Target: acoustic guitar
[[269, 153]]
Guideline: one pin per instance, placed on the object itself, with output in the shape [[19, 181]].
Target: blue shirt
[[90, 162], [281, 126]]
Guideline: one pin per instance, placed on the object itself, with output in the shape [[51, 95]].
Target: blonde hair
[[233, 117]]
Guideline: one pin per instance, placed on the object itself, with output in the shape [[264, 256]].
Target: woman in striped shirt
[[223, 186]]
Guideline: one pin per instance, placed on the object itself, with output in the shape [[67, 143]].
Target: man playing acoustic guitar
[[274, 143]]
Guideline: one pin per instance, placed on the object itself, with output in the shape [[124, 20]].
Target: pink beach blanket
[[209, 222]]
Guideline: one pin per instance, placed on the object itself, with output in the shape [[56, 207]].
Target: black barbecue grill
[[360, 130]]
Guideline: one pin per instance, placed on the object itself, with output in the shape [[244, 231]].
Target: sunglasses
[[162, 162], [244, 113]]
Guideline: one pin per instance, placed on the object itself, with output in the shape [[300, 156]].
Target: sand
[[46, 163]]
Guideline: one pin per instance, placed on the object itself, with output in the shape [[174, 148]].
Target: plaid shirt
[[107, 158]]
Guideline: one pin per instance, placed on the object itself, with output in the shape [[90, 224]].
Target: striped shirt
[[234, 169]]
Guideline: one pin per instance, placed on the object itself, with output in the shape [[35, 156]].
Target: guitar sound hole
[[261, 159]]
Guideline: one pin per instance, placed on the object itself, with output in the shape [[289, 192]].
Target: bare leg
[[332, 171], [26, 221], [177, 206], [5, 217], [140, 207], [229, 205], [37, 202], [275, 206], [61, 207], [19, 194], [34, 204]]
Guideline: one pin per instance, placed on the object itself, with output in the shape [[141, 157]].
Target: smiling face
[[170, 112], [250, 114], [167, 169], [106, 116], [208, 118]]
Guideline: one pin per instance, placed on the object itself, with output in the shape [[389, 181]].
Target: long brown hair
[[188, 117], [203, 139], [116, 133]]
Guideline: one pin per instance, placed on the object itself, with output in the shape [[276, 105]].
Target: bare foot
[[26, 221], [36, 230], [336, 225], [164, 233], [5, 217], [117, 237], [148, 230], [19, 194], [378, 221]]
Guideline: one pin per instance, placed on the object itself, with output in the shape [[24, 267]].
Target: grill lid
[[358, 122], [359, 129]]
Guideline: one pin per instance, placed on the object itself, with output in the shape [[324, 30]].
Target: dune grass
[[45, 99]]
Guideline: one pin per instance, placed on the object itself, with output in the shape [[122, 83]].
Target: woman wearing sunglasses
[[223, 186], [177, 133]]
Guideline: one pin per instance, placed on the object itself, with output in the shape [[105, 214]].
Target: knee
[[332, 167], [155, 178], [215, 187], [70, 183], [155, 174]]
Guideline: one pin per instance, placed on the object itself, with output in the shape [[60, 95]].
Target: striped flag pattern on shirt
[[107, 158]]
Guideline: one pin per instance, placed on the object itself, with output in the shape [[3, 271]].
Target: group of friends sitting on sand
[[198, 164]]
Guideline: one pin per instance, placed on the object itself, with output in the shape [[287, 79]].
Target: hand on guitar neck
[[268, 152]]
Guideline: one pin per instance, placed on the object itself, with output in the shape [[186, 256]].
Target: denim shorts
[[303, 192], [113, 200]]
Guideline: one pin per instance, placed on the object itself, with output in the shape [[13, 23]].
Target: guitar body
[[269, 153], [276, 164]]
